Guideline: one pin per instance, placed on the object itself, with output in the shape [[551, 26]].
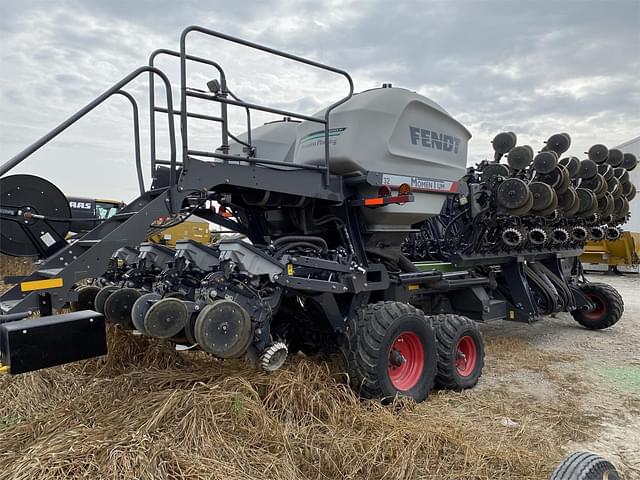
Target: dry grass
[[146, 411], [13, 266]]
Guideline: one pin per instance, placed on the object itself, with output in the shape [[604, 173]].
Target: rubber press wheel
[[460, 352], [608, 308], [585, 466], [390, 350]]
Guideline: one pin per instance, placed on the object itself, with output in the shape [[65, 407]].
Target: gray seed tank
[[405, 136], [393, 131]]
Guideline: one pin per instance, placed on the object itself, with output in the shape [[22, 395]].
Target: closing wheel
[[607, 310], [102, 296], [117, 307], [390, 350], [585, 466], [86, 298]]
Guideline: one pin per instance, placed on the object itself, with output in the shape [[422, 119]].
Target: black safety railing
[[116, 89], [136, 136], [223, 95]]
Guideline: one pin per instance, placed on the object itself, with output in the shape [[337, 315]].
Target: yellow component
[[4, 368], [187, 230], [512, 314], [290, 269], [413, 286], [41, 284], [624, 251]]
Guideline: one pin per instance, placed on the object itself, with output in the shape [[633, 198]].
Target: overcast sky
[[533, 67]]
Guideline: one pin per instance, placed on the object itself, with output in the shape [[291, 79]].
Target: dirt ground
[[146, 411], [602, 376]]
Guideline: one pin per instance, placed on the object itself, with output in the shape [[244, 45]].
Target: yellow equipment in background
[[622, 252], [196, 230]]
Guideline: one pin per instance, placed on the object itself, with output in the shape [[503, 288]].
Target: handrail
[[223, 86], [223, 100], [152, 104], [136, 136], [115, 89]]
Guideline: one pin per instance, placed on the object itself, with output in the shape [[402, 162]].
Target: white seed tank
[[402, 135]]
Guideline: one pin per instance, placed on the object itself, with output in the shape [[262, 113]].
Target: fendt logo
[[435, 140]]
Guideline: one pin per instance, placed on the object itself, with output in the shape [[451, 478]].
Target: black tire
[[101, 297], [86, 298], [458, 336], [367, 350], [585, 466], [609, 307]]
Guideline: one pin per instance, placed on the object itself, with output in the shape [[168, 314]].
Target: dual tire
[[392, 349]]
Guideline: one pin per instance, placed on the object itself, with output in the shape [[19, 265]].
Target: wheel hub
[[406, 361], [466, 356], [396, 359]]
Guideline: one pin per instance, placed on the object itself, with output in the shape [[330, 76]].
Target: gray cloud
[[534, 67]]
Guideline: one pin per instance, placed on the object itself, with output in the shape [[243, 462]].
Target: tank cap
[[387, 85]]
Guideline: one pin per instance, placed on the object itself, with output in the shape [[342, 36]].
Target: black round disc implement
[[572, 164], [520, 158], [543, 195], [598, 153], [494, 170], [166, 318], [503, 142], [117, 307], [616, 157], [605, 170], [140, 308], [102, 296], [86, 297], [224, 329], [24, 199], [629, 161], [559, 143], [545, 162], [513, 193]]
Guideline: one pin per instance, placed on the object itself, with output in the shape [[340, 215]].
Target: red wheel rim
[[599, 311], [466, 356], [406, 361]]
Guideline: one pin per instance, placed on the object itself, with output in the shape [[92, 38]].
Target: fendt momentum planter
[[360, 232]]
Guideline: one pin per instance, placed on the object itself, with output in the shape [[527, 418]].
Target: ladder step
[[50, 272]]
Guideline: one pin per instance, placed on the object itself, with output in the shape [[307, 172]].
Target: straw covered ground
[[146, 411]]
